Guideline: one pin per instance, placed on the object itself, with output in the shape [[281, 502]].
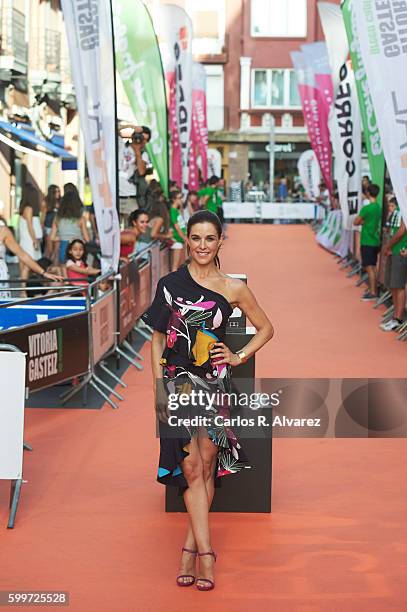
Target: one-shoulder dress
[[193, 318]]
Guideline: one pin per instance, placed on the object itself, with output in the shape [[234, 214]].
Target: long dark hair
[[71, 205], [159, 208], [206, 216], [51, 200], [30, 198]]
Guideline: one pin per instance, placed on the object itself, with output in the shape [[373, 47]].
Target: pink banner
[[199, 130], [316, 98]]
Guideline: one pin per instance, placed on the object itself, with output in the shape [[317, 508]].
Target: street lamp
[[272, 154]]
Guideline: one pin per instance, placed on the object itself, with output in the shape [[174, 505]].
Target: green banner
[[370, 127], [138, 62]]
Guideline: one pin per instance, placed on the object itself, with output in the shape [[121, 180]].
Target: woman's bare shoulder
[[234, 287]]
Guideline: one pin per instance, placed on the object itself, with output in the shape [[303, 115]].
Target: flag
[[90, 41]]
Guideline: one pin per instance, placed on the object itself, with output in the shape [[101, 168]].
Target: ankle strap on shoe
[[213, 554], [194, 552]]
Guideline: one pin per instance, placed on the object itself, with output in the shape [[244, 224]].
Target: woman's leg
[[208, 452], [196, 501]]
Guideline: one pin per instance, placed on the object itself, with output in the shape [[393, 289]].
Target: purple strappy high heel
[[179, 578], [211, 584]]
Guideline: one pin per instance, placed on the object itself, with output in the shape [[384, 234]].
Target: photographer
[[134, 165]]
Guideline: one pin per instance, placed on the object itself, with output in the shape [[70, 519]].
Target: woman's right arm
[[15, 248], [160, 396]]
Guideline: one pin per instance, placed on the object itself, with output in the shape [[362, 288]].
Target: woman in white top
[[7, 241], [30, 226]]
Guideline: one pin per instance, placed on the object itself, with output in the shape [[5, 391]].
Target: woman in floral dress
[[191, 367]]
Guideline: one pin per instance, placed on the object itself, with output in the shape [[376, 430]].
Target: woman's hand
[[36, 244], [222, 354], [52, 277]]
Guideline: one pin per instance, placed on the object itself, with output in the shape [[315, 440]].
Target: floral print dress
[[193, 318]]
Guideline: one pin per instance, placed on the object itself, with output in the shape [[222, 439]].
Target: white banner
[[332, 236], [335, 38], [381, 30], [12, 385], [90, 41], [310, 173], [214, 163], [345, 122], [174, 31]]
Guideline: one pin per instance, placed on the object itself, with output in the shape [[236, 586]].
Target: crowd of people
[[165, 219], [58, 238], [383, 244]]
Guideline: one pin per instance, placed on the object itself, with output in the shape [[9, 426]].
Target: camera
[[137, 138]]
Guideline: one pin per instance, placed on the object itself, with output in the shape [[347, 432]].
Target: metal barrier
[[260, 211], [69, 339]]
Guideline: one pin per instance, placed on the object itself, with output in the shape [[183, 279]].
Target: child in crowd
[[76, 266]]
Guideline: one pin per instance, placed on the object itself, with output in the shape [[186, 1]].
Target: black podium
[[250, 489]]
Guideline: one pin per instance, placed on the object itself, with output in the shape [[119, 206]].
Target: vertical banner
[[314, 110], [199, 129], [174, 29], [90, 39], [316, 55], [310, 174], [369, 121], [140, 68], [346, 125], [214, 162], [381, 31]]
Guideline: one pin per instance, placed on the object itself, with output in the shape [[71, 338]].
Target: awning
[[27, 137]]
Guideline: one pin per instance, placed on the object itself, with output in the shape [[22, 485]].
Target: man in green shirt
[[396, 268], [210, 194], [370, 218]]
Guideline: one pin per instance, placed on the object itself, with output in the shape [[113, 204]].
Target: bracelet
[[242, 356]]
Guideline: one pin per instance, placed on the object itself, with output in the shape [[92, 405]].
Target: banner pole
[[166, 187], [116, 140]]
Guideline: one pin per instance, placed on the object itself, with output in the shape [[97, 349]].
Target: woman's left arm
[[84, 229], [245, 300]]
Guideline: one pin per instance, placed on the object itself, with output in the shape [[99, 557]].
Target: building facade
[[245, 46], [36, 94]]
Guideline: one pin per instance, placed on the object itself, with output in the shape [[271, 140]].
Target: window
[[295, 99], [275, 88], [279, 18], [215, 97], [260, 88]]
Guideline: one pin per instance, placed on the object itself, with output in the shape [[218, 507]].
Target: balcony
[[13, 48], [211, 50], [45, 56]]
